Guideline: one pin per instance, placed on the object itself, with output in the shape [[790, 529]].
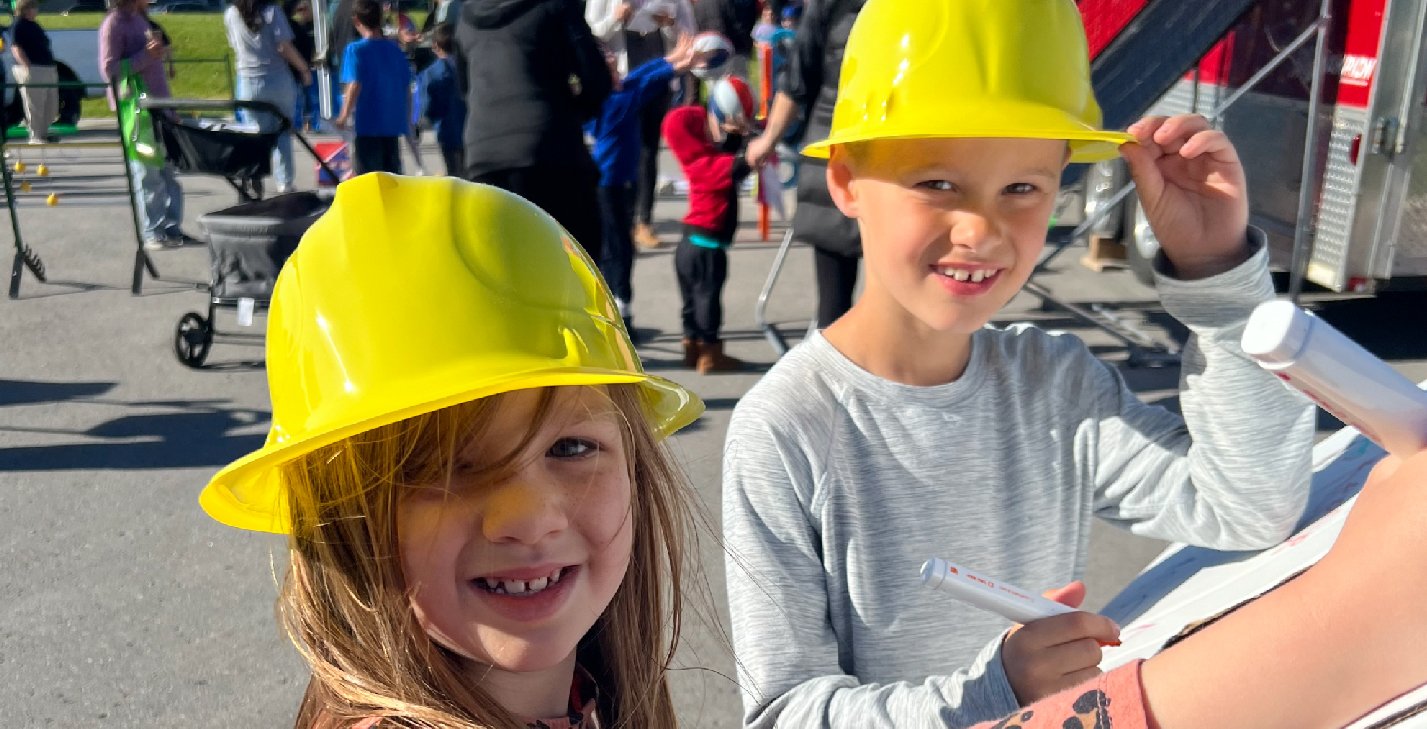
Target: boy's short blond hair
[[24, 5]]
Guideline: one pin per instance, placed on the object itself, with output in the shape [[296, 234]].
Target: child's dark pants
[[702, 272], [617, 216], [376, 154], [455, 161]]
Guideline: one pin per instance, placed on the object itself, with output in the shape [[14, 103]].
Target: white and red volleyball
[[731, 100]]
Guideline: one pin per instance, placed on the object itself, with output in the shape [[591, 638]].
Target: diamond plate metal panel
[[1333, 226]]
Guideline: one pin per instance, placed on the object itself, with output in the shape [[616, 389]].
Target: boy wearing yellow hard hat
[[911, 428]]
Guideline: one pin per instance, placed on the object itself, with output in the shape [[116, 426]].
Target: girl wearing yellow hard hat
[[484, 527]]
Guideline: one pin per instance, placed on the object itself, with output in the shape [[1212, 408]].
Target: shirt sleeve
[[1233, 473], [1113, 700], [600, 16], [802, 78], [349, 64], [434, 88], [111, 48], [787, 650], [282, 30], [650, 79]]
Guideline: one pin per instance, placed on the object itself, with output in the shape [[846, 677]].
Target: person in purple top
[[126, 35]]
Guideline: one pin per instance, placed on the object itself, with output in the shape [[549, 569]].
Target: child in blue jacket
[[616, 134], [442, 103]]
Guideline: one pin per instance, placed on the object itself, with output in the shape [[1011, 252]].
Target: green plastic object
[[136, 124]]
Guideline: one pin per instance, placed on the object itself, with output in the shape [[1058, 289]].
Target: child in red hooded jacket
[[707, 144]]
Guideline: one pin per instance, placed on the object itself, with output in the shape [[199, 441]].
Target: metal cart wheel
[[192, 339]]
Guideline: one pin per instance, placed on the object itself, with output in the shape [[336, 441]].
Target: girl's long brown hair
[[344, 602]]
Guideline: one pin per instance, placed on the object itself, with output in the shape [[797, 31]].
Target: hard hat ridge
[[969, 68]]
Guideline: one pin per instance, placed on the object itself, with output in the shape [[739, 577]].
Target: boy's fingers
[[1064, 629], [1144, 129], [1180, 127], [1141, 160], [1214, 143], [1076, 655], [1070, 594]]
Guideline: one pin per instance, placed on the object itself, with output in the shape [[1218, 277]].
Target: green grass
[[200, 49]]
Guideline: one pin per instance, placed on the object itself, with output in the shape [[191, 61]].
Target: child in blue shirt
[[616, 132], [377, 101], [442, 102]]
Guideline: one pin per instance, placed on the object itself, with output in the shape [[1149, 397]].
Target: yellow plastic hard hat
[[415, 293], [969, 68]]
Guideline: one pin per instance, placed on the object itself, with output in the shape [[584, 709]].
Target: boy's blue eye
[[572, 448], [938, 185], [1021, 188]]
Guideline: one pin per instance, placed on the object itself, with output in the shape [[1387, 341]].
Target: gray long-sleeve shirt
[[838, 484]]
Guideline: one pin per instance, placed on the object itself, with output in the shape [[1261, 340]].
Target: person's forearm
[[1350, 631], [349, 99], [20, 57], [780, 116], [295, 59]]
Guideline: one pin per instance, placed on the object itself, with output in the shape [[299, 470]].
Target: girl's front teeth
[[520, 587]]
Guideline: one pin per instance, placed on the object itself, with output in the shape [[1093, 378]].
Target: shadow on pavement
[[27, 392], [189, 434]]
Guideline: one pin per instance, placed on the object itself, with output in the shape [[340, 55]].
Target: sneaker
[[159, 244], [52, 138], [177, 237]]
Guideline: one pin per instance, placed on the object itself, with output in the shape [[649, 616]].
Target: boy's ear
[[839, 183]]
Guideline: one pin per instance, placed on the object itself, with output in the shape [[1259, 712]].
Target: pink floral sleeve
[[1115, 700]]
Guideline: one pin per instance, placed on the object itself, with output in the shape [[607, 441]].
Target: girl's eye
[[1021, 188], [572, 448], [938, 185]]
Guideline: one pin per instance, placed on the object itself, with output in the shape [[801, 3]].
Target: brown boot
[[644, 236], [712, 359], [691, 352]]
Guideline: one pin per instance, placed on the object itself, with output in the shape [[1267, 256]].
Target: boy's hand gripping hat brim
[[969, 68], [413, 294]]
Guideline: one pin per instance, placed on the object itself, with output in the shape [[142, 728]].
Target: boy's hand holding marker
[[1054, 647], [1192, 187], [1054, 653]]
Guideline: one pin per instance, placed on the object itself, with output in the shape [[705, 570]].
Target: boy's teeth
[[961, 274]]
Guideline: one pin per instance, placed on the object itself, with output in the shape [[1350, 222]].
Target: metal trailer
[[1355, 68]]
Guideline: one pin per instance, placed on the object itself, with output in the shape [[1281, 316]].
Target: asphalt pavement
[[122, 605]]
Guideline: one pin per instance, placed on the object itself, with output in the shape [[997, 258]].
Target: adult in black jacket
[[532, 75], [808, 87]]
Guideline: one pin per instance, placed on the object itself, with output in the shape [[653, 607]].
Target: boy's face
[[951, 228]]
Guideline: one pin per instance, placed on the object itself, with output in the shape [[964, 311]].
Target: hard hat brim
[[1000, 118], [248, 493], [1091, 148]]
